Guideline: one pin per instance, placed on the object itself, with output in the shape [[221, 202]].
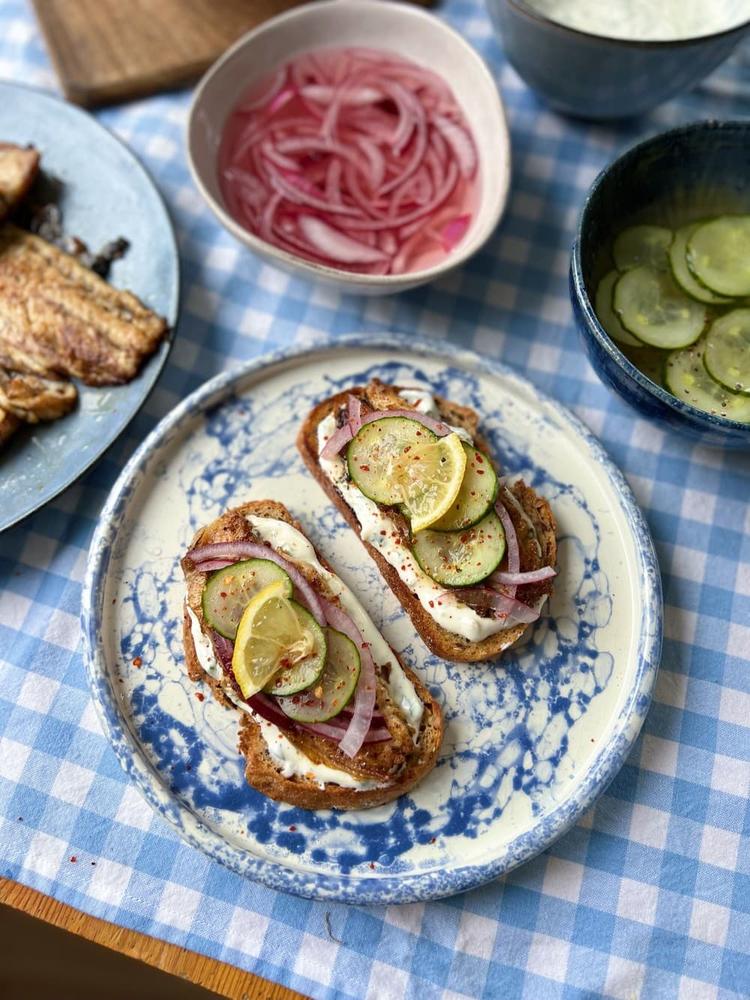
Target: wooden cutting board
[[107, 51]]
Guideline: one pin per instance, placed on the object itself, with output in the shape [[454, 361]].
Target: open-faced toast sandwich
[[330, 717], [470, 557]]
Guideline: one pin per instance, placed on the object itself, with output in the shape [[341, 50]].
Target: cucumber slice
[[477, 494], [461, 558], [686, 378], [228, 591], [727, 354], [372, 453], [642, 245], [718, 254], [335, 686], [606, 314], [682, 273], [655, 309], [298, 676]]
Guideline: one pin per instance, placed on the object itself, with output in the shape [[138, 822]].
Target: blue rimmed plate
[[529, 743], [104, 193]]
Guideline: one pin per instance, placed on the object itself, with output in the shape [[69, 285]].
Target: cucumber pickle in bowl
[[356, 142], [660, 280]]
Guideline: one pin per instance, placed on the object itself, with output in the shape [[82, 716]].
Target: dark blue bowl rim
[[632, 43], [582, 296]]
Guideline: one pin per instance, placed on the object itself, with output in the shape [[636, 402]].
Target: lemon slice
[[430, 485], [275, 633]]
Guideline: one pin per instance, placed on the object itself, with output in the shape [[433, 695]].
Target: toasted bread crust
[[260, 770], [442, 642]]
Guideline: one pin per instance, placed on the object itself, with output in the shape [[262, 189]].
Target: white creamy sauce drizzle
[[290, 761], [378, 529], [644, 20]]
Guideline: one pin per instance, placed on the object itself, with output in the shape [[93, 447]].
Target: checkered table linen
[[649, 895]]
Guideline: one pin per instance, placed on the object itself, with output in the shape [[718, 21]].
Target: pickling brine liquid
[[646, 20], [353, 158]]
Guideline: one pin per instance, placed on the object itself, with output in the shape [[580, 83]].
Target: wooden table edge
[[222, 978]]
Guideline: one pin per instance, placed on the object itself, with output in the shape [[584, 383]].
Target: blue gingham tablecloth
[[649, 895]]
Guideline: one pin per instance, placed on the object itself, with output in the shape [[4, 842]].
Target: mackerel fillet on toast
[[532, 519], [380, 771]]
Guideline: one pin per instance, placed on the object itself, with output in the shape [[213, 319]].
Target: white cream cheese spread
[[290, 761]]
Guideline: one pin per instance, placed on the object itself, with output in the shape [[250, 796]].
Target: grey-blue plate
[[106, 193], [529, 741]]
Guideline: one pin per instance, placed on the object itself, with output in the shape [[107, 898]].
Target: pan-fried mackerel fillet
[[18, 169], [59, 318], [33, 398]]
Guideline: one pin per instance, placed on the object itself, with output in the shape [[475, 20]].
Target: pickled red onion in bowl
[[377, 187], [353, 158]]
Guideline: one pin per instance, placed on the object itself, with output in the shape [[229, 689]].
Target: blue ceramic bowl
[[688, 173], [592, 76]]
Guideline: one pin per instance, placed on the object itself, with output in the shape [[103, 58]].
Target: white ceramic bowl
[[409, 32]]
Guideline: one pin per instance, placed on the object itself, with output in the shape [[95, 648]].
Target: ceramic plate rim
[[411, 887], [155, 364]]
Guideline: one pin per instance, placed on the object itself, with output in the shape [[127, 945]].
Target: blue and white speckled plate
[[105, 193], [529, 743]]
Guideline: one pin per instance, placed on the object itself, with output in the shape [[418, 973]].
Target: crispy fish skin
[[33, 398], [59, 318], [19, 167]]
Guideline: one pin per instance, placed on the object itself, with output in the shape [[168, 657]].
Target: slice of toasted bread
[[538, 547], [392, 769]]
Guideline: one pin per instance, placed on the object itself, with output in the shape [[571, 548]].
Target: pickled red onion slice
[[521, 579], [235, 551], [344, 434], [348, 158], [364, 695]]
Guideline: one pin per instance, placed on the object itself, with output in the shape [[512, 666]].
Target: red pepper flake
[[480, 472], [383, 532], [200, 696], [365, 468], [479, 458], [73, 858], [138, 661], [432, 604], [432, 841], [372, 865], [223, 593], [114, 600], [292, 828]]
